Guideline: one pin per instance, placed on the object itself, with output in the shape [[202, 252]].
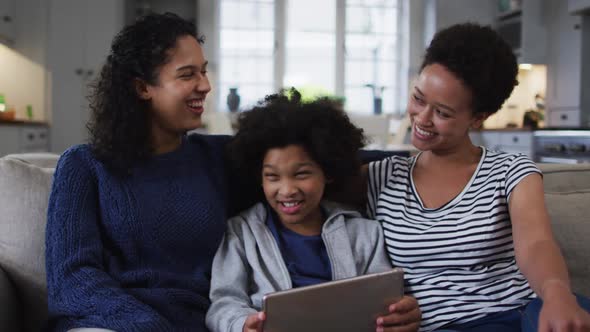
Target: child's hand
[[254, 322], [404, 316]]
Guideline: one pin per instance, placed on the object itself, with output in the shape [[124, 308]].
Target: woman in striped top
[[469, 225]]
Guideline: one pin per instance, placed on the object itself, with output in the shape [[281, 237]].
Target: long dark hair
[[119, 126]]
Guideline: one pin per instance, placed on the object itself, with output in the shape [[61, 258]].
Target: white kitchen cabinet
[[507, 141], [564, 117], [578, 6], [525, 29], [7, 21], [534, 33], [565, 68], [80, 34], [20, 138]]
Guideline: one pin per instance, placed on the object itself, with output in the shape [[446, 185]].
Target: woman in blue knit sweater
[[135, 216]]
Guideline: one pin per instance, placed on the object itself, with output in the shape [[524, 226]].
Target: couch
[[25, 182]]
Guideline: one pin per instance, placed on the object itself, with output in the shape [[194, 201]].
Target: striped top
[[458, 259]]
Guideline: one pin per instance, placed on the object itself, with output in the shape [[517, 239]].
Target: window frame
[[399, 94]]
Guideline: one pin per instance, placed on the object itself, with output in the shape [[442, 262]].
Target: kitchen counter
[[531, 130], [518, 129], [23, 123]]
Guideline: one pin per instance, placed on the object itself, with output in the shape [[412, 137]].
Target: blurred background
[[362, 53]]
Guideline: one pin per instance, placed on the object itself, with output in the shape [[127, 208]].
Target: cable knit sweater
[[134, 253]]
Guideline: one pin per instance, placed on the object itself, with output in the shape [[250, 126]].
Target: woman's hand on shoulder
[[404, 316], [254, 322], [561, 312]]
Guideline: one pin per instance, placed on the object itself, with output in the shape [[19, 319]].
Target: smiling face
[[294, 185], [178, 96], [440, 111]]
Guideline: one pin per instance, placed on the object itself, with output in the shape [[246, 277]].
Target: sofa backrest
[[25, 184], [24, 192], [567, 195]]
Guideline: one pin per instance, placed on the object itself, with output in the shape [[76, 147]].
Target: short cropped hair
[[480, 58]]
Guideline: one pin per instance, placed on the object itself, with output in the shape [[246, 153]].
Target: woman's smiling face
[[178, 96], [440, 110]]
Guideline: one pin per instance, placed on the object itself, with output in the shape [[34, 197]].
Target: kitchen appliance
[[571, 146]]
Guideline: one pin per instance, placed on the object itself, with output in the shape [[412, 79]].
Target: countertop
[[529, 129], [504, 129], [23, 123]]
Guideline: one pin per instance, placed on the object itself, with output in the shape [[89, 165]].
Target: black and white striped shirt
[[458, 259]]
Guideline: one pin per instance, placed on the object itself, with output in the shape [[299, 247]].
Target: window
[[371, 59], [310, 52], [347, 48], [246, 54]]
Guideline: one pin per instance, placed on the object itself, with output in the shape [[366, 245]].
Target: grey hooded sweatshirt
[[249, 264]]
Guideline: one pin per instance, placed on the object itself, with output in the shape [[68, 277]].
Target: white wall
[[23, 79], [23, 83]]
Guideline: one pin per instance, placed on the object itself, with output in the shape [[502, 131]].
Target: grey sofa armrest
[[9, 305]]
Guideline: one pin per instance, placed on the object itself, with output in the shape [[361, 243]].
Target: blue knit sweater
[[135, 253]]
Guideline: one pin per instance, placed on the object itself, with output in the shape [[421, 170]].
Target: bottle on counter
[[6, 113], [2, 103], [30, 112]]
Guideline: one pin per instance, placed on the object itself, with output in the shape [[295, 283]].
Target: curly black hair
[[321, 127], [480, 58], [119, 126]]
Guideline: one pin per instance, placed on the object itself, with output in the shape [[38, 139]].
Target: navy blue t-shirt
[[306, 257]]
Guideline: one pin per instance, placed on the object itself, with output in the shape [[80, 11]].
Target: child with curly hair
[[293, 237]]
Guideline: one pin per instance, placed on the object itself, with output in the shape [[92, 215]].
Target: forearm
[[90, 298], [547, 277]]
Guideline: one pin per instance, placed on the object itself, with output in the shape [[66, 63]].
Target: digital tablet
[[351, 304]]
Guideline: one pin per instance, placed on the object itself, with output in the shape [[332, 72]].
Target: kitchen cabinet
[[80, 34], [578, 6], [7, 21], [524, 27], [22, 137], [565, 68], [511, 141]]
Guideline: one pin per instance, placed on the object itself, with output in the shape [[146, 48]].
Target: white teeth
[[423, 132], [290, 204], [196, 103]]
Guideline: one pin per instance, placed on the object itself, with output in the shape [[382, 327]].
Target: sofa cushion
[[24, 193], [569, 213]]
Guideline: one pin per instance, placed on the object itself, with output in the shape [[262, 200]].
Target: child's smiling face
[[294, 185]]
